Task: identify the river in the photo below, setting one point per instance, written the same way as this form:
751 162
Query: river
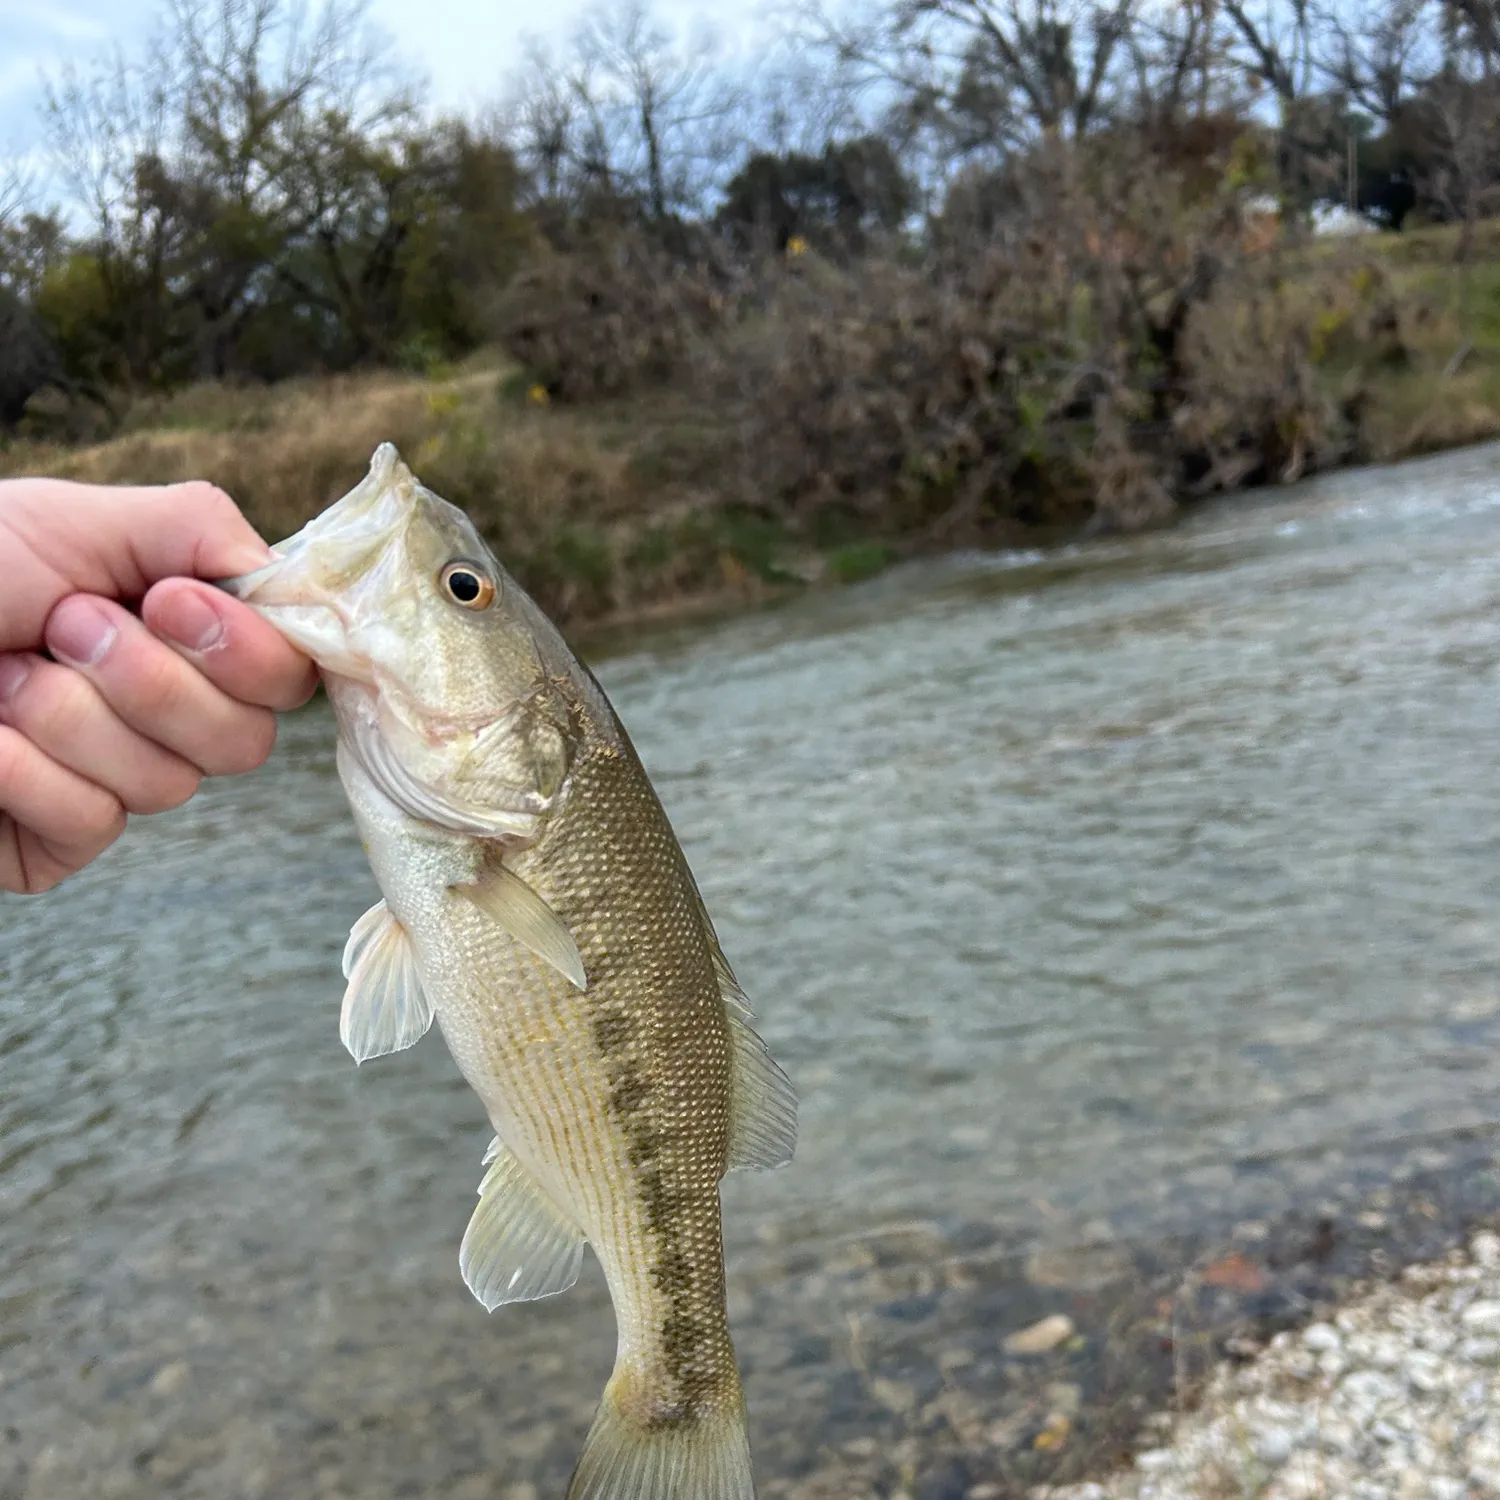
1147 888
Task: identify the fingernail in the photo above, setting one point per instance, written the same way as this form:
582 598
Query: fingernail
14 670
79 633
189 619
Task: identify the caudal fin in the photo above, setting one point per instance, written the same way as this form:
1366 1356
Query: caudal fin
706 1458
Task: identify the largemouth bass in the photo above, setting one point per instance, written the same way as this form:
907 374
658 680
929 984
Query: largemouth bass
538 905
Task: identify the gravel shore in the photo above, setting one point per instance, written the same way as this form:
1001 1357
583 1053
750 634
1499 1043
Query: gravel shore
1396 1398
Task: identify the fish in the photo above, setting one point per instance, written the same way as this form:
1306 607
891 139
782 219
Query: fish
538 906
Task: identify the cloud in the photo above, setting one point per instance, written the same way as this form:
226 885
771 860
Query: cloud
41 40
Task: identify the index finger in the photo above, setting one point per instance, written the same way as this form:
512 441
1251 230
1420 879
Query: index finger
117 541
240 653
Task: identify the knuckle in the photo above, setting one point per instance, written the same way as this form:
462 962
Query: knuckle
159 689
209 498
97 817
14 755
250 744
59 705
109 823
170 789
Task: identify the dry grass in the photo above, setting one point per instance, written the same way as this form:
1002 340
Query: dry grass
1448 392
596 512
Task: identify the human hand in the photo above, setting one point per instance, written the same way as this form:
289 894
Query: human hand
131 713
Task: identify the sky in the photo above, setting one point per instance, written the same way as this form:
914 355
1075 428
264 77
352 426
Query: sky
465 47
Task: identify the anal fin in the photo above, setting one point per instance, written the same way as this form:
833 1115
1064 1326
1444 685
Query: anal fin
384 1008
519 1245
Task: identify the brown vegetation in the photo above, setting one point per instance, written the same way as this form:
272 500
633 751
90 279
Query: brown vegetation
849 415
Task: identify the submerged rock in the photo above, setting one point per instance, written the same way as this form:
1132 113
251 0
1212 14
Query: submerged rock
1042 1336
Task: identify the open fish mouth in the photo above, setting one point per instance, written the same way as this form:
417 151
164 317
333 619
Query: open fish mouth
319 629
308 588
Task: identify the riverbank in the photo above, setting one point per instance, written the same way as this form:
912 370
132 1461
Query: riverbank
1396 1396
1199 1368
669 501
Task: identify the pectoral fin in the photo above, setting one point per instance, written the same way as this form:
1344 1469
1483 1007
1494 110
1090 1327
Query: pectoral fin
502 895
384 1008
519 1245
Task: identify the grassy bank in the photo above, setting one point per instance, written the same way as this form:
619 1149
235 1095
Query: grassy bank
654 501
605 513
1449 392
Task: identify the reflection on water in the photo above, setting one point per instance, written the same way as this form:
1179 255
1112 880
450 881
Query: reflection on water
1088 899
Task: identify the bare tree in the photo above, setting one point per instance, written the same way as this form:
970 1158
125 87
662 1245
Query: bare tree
1378 54
961 86
1477 24
1276 44
542 119
1280 46
255 83
14 194
1046 64
630 110
1182 64
1464 120
100 123
800 98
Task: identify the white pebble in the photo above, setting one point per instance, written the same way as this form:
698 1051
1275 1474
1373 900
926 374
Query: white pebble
1303 1478
1482 1317
1155 1460
1273 1445
1321 1337
1426 1371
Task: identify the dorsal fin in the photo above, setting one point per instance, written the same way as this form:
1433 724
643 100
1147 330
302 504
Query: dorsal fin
762 1101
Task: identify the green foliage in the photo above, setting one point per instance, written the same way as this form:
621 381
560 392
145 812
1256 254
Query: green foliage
756 541
265 201
858 561
833 201
584 557
74 303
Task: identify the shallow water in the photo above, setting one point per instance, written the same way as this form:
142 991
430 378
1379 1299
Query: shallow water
1089 899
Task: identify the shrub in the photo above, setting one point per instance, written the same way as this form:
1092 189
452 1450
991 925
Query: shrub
614 315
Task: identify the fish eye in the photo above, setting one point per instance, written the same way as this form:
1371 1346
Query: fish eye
465 583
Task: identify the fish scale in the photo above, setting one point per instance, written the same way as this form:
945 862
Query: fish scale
537 904
659 1047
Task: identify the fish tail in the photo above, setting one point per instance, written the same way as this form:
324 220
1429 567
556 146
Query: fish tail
701 1456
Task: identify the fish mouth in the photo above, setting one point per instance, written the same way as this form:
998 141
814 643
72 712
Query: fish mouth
285 596
306 591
